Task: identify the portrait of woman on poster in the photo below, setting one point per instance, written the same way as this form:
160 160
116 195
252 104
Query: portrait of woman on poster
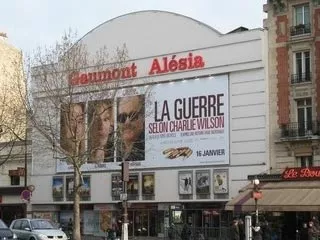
131 125
101 130
72 128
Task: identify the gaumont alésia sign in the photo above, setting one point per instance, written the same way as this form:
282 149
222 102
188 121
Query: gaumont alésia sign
182 123
158 66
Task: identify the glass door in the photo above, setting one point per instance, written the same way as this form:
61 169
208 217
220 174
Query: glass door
141 226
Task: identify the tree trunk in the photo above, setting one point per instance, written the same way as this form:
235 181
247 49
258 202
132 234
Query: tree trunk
76 205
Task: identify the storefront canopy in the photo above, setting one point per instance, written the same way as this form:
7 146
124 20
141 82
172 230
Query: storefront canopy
279 196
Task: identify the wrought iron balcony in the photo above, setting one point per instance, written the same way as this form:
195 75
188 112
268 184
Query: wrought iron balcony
303 129
300 29
301 77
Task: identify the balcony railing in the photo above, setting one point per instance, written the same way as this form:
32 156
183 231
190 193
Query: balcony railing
301 77
300 29
303 129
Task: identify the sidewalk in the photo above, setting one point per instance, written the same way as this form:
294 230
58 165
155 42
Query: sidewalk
89 237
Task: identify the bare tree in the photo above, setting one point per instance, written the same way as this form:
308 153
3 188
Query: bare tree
57 108
12 111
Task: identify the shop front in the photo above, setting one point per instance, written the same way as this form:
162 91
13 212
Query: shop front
11 205
145 219
288 200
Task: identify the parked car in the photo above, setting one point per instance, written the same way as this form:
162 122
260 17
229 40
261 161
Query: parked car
5 232
36 229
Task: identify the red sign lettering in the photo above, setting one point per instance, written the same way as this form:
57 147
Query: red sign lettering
165 65
78 78
311 173
158 66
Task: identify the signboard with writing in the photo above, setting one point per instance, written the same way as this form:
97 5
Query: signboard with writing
183 123
189 124
158 66
295 174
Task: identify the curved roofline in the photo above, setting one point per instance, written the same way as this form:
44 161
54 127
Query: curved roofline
142 11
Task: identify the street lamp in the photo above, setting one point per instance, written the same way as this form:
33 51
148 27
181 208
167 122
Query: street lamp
125 180
256 194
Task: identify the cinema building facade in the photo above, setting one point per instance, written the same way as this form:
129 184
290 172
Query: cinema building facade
205 125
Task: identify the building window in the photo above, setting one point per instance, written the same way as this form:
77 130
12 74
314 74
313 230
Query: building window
305 161
302 14
301 20
301 67
304 108
15 180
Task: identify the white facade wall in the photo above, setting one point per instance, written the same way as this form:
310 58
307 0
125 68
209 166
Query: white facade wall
153 34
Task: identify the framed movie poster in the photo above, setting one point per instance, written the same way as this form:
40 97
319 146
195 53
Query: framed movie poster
57 188
185 182
105 220
220 181
203 182
148 184
69 188
133 185
85 189
116 185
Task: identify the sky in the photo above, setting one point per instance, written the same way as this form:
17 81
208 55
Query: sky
30 24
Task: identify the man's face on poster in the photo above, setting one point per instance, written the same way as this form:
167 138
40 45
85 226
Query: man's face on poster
102 125
131 117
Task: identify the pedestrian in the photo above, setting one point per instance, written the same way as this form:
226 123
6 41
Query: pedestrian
257 232
242 233
312 232
186 232
266 230
235 235
199 235
316 225
70 227
171 232
304 232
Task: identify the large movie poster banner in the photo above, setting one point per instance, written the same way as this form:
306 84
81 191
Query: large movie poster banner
188 123
183 123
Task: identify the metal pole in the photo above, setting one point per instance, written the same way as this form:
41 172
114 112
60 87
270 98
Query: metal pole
125 179
248 228
26 167
125 213
257 211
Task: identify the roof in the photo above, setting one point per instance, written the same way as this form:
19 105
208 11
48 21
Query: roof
239 29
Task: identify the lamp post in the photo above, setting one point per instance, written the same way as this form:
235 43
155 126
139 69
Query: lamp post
125 179
256 194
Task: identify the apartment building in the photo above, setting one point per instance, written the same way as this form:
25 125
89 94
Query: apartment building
290 191
14 152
